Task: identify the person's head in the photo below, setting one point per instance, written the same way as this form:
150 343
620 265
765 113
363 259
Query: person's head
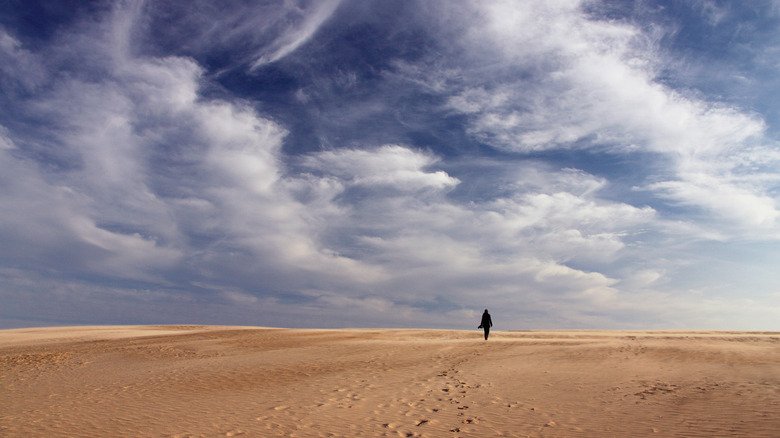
486 311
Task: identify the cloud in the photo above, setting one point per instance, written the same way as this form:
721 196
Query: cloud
13 59
293 37
43 222
463 254
250 35
371 229
390 165
141 154
569 80
600 90
524 157
748 208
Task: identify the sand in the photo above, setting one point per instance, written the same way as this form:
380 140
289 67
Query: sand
232 381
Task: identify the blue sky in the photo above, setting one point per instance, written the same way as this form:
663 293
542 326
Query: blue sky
390 164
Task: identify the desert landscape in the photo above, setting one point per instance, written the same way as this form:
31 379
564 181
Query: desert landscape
193 381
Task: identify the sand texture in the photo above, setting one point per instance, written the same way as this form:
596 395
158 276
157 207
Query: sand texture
232 381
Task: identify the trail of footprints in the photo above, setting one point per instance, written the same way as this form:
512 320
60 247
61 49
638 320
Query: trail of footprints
455 392
448 403
447 394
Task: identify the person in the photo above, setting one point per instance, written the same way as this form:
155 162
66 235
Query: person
487 322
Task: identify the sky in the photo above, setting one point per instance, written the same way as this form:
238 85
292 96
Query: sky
401 164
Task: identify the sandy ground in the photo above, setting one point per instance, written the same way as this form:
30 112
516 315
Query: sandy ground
231 381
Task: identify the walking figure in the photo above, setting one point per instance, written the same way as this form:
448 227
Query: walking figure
486 323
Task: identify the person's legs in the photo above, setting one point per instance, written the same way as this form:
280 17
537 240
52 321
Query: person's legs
487 331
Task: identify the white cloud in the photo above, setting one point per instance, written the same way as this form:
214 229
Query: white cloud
5 142
390 165
712 11
239 297
307 23
242 146
496 250
145 154
600 86
729 201
14 59
641 279
580 82
48 225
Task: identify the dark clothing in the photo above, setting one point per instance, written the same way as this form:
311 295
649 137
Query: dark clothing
487 322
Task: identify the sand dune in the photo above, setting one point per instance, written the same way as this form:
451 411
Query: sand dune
231 381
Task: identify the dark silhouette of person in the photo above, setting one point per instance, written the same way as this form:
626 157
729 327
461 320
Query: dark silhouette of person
487 322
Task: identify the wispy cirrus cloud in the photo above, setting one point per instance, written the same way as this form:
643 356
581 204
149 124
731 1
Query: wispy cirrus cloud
308 22
250 34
